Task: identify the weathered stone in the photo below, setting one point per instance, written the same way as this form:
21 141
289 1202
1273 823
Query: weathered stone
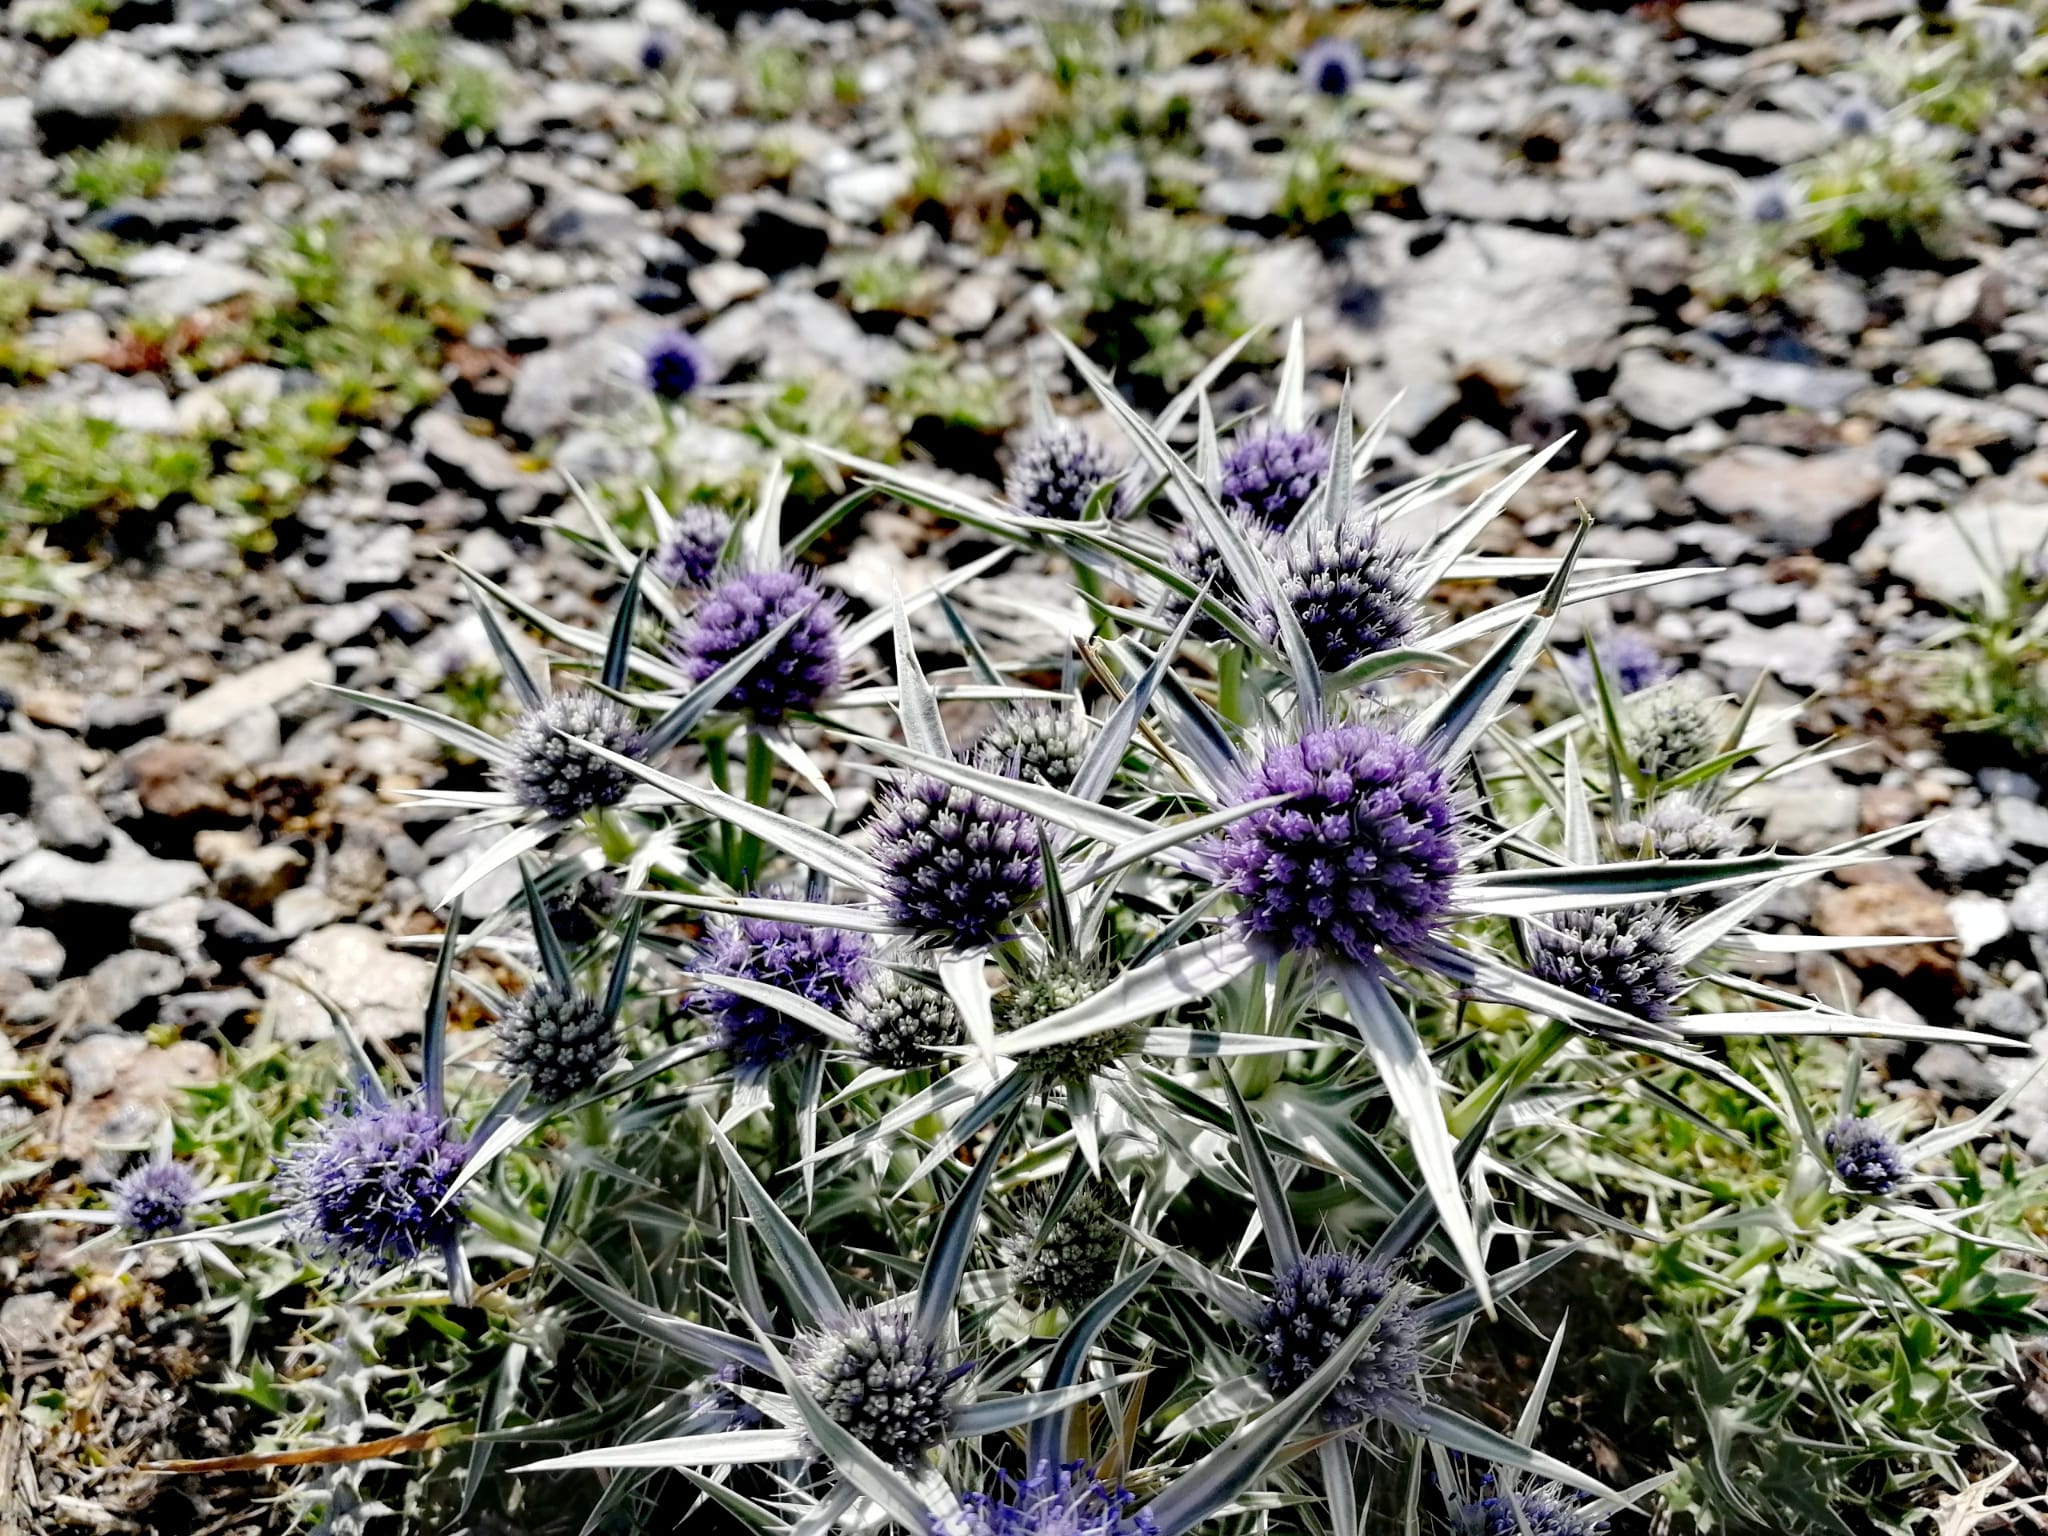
1799 502
262 686
1671 396
383 992
127 880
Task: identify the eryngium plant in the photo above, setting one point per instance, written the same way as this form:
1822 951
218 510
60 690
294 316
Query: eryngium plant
1276 939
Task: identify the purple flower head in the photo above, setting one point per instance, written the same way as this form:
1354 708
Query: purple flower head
1360 858
691 555
1055 1501
881 1379
367 1183
1271 475
676 364
546 772
1332 65
1058 471
958 866
1195 556
659 50
1045 746
1542 1510
1353 593
1767 200
1630 659
560 1041
722 1399
1866 1157
802 666
155 1199
1317 1300
1620 956
826 966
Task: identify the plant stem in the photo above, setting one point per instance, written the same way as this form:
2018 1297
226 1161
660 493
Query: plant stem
760 784
1509 1076
1230 684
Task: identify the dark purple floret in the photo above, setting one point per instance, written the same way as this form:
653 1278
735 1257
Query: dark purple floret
1620 956
826 966
1630 659
1271 476
1333 66
691 555
659 51
1866 1157
1196 557
367 1183
546 772
721 1398
802 666
1358 861
1058 471
155 1199
1353 593
1054 1501
1316 1302
958 866
676 364
1543 1509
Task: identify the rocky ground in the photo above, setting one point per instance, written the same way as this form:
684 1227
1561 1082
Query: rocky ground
1533 214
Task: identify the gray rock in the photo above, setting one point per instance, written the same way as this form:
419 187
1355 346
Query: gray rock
194 284
1809 388
2029 905
34 952
1671 396
290 54
1956 362
383 992
1979 921
795 334
263 686
465 458
122 984
585 218
862 194
1461 193
1777 137
1493 293
1965 842
1732 23
2004 1011
98 80
597 376
71 823
1940 412
1955 557
1806 814
127 880
975 114
172 929
1799 502
498 204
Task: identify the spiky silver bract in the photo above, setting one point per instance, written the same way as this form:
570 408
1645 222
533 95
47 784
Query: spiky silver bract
1315 1303
555 776
881 1380
559 1039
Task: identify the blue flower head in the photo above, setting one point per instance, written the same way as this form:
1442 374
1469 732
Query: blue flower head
1270 476
367 1184
1360 858
1316 1302
690 556
1621 956
676 364
1332 65
547 772
826 966
1630 659
1866 1157
1057 472
1055 1501
1353 592
958 866
1542 1510
659 50
155 1199
798 670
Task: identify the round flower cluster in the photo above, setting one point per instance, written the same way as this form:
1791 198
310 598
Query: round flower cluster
1333 65
1359 859
1045 745
695 544
1059 471
1316 1302
1677 827
560 1040
557 777
1074 1261
1866 1157
881 1380
1195 556
370 1184
1542 1510
1271 475
676 364
901 1023
1630 659
1045 991
826 966
1618 956
798 670
958 865
740 1414
1353 593
155 1199
1669 729
1054 1501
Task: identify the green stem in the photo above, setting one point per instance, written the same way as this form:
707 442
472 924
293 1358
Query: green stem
1773 1244
760 785
1230 684
614 838
1508 1077
715 764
